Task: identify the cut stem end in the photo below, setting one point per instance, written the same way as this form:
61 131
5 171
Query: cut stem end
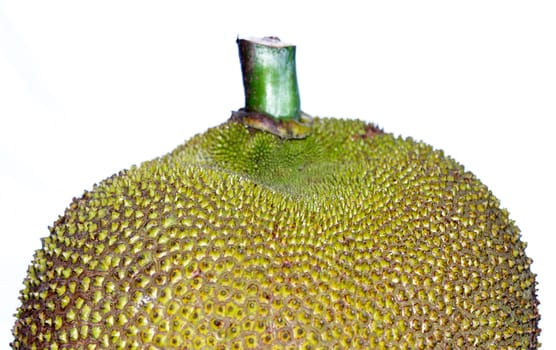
272 100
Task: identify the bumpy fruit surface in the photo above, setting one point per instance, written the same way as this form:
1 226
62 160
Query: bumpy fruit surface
348 239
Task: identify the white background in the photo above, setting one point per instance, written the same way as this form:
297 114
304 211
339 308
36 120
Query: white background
89 89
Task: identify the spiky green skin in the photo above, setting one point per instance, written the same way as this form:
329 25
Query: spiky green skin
346 239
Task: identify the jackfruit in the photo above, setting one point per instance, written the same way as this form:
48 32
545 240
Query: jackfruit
350 238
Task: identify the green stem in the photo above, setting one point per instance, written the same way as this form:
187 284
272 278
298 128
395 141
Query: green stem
269 77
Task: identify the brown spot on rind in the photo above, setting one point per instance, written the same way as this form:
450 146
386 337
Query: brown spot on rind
371 131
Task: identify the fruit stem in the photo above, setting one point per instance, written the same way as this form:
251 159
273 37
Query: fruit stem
269 77
271 92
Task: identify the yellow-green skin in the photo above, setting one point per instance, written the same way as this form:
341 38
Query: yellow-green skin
348 239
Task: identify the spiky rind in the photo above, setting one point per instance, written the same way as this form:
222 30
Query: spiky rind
238 239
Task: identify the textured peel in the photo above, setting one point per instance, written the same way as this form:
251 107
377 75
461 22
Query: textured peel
350 238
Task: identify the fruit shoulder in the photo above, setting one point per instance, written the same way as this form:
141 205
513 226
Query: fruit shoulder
350 238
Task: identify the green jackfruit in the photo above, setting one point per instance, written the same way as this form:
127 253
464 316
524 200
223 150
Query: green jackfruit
350 238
